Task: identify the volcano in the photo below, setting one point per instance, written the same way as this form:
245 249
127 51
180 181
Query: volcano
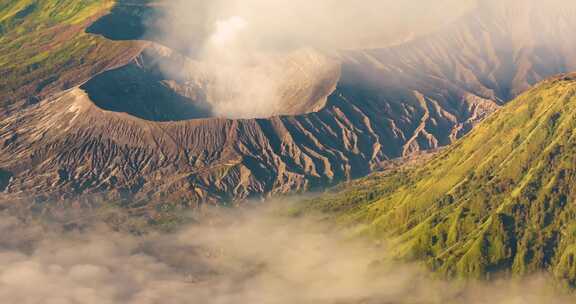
113 121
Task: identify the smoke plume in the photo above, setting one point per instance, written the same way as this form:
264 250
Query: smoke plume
259 58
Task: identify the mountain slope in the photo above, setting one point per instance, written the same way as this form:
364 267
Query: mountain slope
73 147
43 47
114 123
435 89
499 200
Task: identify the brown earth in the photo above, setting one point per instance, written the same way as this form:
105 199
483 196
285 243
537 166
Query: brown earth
131 132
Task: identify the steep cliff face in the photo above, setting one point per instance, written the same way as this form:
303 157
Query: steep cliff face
140 131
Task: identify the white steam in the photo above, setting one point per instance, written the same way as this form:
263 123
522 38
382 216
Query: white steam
244 257
227 33
259 58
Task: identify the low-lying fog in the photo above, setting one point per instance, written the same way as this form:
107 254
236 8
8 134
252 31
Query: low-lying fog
237 256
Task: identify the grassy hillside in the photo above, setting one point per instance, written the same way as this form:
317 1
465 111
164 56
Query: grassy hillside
500 201
44 47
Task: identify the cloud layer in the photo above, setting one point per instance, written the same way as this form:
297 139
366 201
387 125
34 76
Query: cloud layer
242 257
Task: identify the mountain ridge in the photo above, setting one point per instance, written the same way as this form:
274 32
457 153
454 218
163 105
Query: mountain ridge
497 202
388 103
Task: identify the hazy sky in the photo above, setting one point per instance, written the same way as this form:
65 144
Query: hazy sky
304 23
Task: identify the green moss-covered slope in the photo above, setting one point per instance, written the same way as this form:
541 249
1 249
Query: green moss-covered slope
500 201
44 46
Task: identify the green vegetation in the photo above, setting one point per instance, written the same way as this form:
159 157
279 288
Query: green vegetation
43 46
499 202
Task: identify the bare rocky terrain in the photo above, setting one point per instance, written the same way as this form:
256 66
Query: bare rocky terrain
132 131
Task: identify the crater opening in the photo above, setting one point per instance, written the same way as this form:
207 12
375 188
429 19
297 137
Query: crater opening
173 83
141 90
161 85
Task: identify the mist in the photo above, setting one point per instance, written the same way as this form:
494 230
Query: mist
232 256
249 57
282 24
